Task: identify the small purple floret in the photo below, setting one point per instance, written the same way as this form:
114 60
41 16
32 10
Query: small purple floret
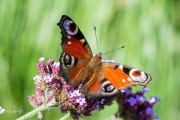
150 111
132 101
128 91
145 89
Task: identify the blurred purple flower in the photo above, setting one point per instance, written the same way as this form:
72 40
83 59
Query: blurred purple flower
81 101
139 98
150 111
145 89
41 64
55 67
41 59
102 101
135 105
128 91
48 78
157 117
50 62
153 100
37 78
132 101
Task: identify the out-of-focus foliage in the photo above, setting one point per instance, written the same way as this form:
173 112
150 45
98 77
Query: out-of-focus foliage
150 31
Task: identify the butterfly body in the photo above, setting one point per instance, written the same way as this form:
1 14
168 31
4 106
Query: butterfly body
99 79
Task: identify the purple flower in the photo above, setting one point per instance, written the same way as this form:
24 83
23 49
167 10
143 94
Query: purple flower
50 62
81 101
135 105
128 91
149 111
157 117
145 89
54 85
74 93
50 96
158 99
153 100
139 98
41 65
37 78
56 64
56 67
41 59
48 78
123 91
97 107
132 101
102 101
39 91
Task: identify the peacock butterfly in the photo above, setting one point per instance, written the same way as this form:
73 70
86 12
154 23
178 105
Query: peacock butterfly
79 66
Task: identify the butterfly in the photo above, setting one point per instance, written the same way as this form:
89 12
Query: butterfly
99 79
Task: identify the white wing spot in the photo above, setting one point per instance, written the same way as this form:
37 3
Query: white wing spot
69 42
123 80
69 37
129 79
121 67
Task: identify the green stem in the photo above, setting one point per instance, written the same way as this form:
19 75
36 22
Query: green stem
37 110
65 117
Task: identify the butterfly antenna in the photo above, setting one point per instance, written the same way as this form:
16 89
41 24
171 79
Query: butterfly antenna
96 38
113 50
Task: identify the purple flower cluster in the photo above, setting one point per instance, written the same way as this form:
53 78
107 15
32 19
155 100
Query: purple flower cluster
135 106
52 87
47 80
49 83
75 102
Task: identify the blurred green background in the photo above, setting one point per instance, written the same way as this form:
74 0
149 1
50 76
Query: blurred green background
149 30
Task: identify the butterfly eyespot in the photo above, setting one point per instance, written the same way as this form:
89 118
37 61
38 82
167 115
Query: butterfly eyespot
137 75
108 88
67 60
70 27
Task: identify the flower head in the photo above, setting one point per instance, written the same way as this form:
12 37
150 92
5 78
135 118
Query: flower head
136 106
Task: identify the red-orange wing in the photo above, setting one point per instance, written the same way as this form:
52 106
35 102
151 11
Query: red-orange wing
76 51
122 76
73 41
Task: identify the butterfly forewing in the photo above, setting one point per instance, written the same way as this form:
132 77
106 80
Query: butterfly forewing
73 41
76 51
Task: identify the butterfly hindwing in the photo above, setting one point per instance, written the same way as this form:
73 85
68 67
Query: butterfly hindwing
112 77
122 76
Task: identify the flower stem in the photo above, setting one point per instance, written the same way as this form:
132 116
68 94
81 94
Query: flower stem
37 110
65 117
